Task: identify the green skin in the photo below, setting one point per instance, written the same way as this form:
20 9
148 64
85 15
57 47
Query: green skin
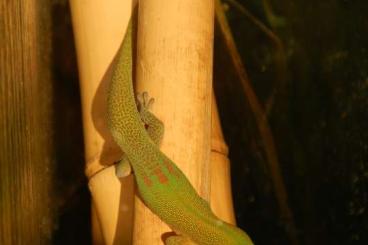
161 184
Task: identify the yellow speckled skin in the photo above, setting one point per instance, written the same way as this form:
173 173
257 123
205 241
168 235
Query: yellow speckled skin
162 186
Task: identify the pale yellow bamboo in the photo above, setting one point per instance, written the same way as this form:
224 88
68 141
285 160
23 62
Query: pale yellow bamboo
113 200
174 65
97 237
221 197
99 27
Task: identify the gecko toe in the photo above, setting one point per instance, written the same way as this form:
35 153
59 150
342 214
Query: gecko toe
144 101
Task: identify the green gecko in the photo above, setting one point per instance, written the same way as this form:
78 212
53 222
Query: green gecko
162 186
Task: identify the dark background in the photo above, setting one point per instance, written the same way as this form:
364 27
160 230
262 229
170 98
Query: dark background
318 100
315 90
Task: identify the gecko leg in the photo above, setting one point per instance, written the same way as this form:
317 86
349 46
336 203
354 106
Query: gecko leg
154 128
123 167
153 125
178 240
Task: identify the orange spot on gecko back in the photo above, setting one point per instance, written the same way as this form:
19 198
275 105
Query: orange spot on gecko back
170 168
147 181
160 175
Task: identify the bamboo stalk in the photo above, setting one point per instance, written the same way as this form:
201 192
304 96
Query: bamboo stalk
99 27
27 200
174 64
97 237
221 197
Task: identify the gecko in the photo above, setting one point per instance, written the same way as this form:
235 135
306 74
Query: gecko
162 186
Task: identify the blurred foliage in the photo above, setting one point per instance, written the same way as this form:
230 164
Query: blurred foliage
318 114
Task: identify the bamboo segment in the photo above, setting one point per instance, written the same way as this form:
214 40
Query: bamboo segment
97 237
221 197
174 64
114 205
99 27
27 199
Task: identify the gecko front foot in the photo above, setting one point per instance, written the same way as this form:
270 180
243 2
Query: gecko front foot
144 102
152 124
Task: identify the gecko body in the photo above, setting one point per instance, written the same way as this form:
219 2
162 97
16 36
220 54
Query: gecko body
161 184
